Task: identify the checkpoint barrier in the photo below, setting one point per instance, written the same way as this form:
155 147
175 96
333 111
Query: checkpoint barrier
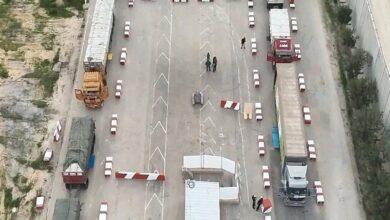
306 115
230 105
319 193
57 131
266 177
256 78
253 46
139 176
258 111
312 150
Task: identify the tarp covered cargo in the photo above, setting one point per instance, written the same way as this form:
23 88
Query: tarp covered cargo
99 36
279 24
81 139
289 110
67 209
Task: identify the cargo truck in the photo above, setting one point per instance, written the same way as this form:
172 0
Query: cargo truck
94 89
282 50
67 209
80 149
275 4
293 151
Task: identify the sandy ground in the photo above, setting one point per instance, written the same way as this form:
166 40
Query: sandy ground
26 129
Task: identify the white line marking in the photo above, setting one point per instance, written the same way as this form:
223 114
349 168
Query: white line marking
159 98
206 29
202 61
207 103
158 123
211 150
158 200
204 71
163 37
213 140
210 120
161 75
207 86
166 19
157 149
239 122
204 44
162 54
247 79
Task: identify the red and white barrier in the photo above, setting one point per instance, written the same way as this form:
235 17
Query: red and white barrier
312 150
319 193
230 105
140 176
266 207
57 131
266 177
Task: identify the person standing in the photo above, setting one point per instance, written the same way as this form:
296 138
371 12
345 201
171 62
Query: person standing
208 64
214 64
243 40
253 201
259 203
208 56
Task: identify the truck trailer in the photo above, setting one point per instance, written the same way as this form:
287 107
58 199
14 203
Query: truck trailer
94 90
282 50
80 149
275 4
67 209
293 151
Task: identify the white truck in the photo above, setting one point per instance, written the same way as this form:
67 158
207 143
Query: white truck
293 151
282 50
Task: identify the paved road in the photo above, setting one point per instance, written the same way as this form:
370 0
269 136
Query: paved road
158 125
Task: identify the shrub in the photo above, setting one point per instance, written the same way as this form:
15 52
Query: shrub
344 14
3 72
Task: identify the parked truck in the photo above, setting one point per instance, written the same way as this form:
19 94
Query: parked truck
67 209
293 151
80 149
282 50
94 89
275 4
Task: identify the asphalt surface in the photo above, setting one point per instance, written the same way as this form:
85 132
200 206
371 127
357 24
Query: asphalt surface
158 125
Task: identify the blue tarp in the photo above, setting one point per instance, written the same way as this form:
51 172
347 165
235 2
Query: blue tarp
275 137
91 161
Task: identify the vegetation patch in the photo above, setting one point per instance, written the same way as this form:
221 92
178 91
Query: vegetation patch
9 201
48 41
370 137
56 10
43 70
39 164
3 72
40 103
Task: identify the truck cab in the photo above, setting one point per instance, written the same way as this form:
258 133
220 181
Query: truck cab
275 4
282 51
295 184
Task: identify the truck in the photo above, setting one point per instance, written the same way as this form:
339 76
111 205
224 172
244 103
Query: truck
275 4
67 209
282 50
293 150
80 150
94 89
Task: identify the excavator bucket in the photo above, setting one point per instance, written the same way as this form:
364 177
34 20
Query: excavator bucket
79 94
104 94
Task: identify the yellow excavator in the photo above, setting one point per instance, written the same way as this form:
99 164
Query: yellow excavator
94 90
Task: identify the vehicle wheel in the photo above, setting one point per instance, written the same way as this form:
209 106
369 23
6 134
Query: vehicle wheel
67 186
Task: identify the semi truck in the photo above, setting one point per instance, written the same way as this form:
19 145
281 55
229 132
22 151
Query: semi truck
293 151
275 4
67 209
282 50
94 89
80 149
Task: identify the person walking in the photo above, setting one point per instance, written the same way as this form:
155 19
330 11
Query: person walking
214 64
243 40
259 203
208 64
253 201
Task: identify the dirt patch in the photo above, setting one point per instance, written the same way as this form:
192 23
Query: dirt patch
27 115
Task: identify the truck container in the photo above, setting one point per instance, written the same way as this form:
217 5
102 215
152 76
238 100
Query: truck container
293 151
282 50
94 90
80 149
67 209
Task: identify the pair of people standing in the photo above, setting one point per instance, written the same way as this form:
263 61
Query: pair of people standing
208 63
259 202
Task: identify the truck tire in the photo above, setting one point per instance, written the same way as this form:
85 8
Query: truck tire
67 186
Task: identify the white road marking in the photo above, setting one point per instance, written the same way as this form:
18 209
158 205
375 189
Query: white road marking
211 150
210 120
202 46
161 76
158 123
162 54
207 103
207 86
159 151
247 79
159 98
153 197
239 121
206 29
166 19
163 37
204 71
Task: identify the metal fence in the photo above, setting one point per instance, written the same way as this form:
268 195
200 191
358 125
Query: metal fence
364 26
